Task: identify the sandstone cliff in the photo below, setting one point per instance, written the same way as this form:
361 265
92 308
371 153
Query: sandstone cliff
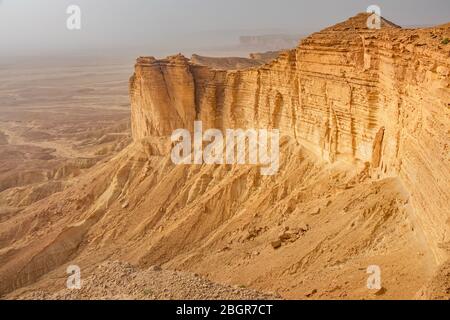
347 93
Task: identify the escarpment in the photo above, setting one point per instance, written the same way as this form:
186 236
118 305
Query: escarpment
347 93
363 177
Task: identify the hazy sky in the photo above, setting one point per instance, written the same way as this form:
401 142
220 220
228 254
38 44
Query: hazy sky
160 26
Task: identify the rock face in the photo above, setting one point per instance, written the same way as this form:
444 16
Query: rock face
347 93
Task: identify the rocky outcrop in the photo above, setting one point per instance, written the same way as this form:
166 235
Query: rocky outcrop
347 93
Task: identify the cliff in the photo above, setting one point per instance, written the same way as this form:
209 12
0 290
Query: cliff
347 93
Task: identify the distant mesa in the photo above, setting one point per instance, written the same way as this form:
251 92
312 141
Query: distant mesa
271 42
